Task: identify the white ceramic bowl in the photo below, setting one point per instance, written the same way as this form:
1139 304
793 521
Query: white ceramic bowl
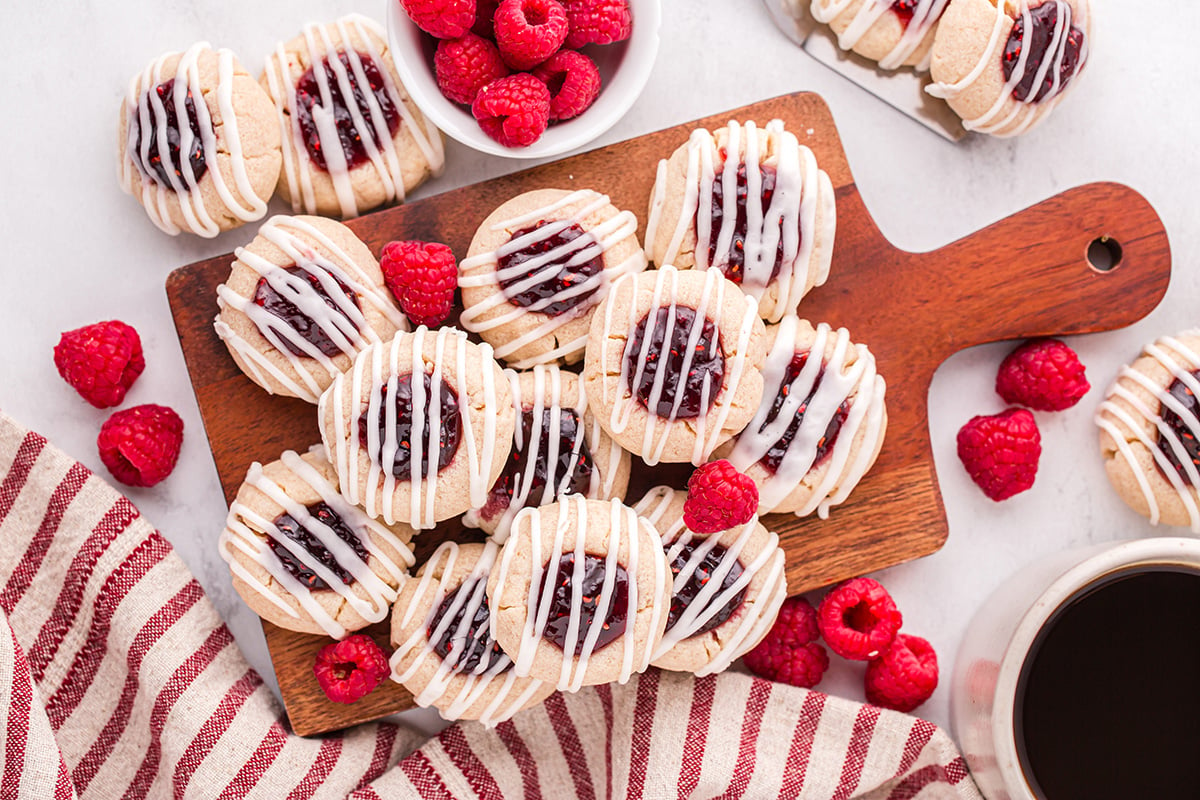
624 69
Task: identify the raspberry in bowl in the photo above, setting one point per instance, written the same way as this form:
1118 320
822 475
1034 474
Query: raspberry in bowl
623 66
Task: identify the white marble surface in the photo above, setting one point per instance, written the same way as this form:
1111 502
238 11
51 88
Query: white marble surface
81 251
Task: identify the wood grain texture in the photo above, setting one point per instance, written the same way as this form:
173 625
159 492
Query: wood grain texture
1026 275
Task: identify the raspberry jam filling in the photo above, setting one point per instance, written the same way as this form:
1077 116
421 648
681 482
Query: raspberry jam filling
155 162
695 388
1187 436
566 480
1065 57
305 326
775 454
904 9
699 579
449 426
293 530
734 267
554 291
308 94
611 618
478 645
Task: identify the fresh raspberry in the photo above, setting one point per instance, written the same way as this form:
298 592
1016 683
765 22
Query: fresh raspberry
529 31
422 277
1043 374
573 81
100 361
485 13
350 670
904 676
1000 452
140 445
789 652
858 619
513 110
597 22
445 19
719 498
464 66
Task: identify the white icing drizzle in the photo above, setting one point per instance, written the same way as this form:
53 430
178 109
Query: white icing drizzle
1024 114
623 521
549 394
746 629
801 190
484 270
346 326
512 693
377 139
709 425
360 388
839 380
1127 428
925 16
245 529
143 108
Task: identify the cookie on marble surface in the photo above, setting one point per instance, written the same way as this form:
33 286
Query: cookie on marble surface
444 652
306 559
301 301
419 450
672 363
778 245
821 423
894 34
558 448
344 158
727 587
581 593
983 70
537 268
197 142
1149 428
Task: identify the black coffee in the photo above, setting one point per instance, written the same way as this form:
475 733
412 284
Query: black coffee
1108 700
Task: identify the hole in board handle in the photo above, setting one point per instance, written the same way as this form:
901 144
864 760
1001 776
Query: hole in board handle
1104 254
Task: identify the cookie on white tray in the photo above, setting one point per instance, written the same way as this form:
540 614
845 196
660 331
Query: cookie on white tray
893 33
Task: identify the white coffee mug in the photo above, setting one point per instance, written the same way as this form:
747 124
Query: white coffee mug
1001 635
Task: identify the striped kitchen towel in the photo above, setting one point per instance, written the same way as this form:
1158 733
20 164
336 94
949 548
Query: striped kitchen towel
119 680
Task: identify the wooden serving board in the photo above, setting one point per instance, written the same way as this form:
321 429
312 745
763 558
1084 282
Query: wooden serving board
1027 275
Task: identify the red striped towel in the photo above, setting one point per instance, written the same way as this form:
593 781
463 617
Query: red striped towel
120 680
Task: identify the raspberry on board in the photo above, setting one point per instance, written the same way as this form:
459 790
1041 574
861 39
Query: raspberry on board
719 498
597 22
858 619
513 110
140 445
529 31
445 19
1000 452
904 676
422 276
100 361
1043 374
573 81
349 670
465 65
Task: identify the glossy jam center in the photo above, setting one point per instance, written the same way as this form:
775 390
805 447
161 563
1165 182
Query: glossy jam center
308 329
155 162
776 452
734 265
611 618
535 456
699 579
449 426
545 275
1065 56
905 9
669 351
309 94
293 530
1180 391
477 643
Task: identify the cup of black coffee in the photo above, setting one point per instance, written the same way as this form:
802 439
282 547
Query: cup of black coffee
1080 677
